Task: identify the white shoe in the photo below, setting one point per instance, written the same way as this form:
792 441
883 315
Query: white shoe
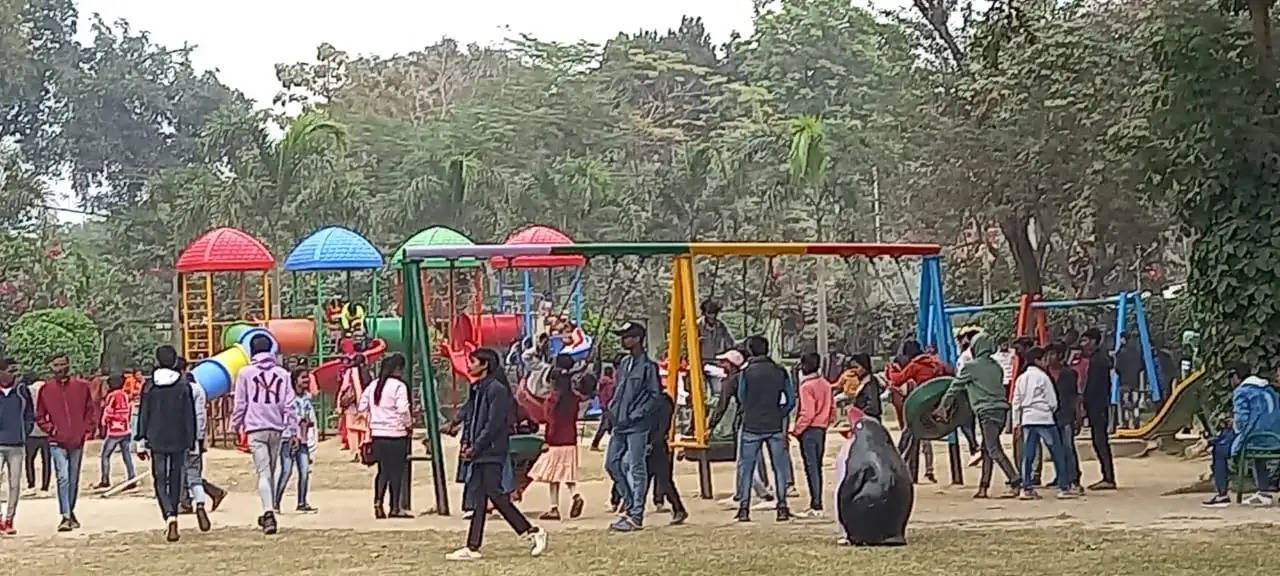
1259 500
728 503
843 541
764 505
538 541
812 514
468 514
463 554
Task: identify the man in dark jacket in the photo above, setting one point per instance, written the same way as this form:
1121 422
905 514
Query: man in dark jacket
1064 381
631 413
767 396
17 418
1097 405
660 461
1129 366
167 431
65 411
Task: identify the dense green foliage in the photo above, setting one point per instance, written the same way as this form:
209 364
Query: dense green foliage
1076 148
40 335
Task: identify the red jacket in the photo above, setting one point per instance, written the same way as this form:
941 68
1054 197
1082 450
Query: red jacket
116 413
919 370
65 411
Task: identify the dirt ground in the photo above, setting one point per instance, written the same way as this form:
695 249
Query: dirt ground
1120 529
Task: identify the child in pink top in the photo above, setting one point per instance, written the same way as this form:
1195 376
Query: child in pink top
817 411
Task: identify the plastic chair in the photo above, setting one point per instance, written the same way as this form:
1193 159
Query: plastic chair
1247 456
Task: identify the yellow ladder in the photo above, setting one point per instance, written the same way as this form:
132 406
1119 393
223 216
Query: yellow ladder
197 317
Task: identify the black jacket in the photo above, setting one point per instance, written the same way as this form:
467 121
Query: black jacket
1097 384
488 427
761 395
167 414
1068 395
868 399
663 410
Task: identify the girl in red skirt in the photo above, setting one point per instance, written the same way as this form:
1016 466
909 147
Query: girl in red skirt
559 464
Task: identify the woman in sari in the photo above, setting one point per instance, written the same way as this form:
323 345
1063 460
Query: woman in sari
355 424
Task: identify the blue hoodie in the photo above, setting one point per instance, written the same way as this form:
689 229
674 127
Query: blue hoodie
1256 407
17 416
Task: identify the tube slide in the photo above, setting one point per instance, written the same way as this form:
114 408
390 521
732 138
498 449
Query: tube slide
215 374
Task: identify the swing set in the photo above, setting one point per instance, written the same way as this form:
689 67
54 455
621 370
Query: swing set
682 332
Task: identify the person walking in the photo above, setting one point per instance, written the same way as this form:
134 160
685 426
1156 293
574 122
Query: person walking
66 413
558 464
631 413
300 457
488 443
761 386
817 412
390 422
1097 405
982 381
37 445
17 419
197 489
661 461
167 433
117 414
264 412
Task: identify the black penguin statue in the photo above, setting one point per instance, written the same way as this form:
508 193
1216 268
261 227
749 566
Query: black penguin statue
874 493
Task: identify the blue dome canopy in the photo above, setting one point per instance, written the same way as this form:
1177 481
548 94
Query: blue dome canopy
333 248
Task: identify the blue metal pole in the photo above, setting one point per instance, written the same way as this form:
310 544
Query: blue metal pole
576 297
502 287
923 317
1148 356
528 305
1038 305
1122 301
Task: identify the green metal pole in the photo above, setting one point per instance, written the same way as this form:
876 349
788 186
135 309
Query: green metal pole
318 314
420 346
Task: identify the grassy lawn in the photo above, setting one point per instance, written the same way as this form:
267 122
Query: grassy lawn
762 548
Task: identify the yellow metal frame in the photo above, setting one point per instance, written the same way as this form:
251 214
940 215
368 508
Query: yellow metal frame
684 318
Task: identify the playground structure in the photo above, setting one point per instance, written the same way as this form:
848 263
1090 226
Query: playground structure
550 263
933 327
334 249
1031 310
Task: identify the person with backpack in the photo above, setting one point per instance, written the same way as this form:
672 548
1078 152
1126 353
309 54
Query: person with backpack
17 419
167 433
264 412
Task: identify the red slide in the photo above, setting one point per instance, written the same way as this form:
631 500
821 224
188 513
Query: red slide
327 377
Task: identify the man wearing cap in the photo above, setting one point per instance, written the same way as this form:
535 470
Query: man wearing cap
630 412
713 335
1097 404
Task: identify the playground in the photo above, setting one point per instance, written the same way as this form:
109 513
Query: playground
1135 530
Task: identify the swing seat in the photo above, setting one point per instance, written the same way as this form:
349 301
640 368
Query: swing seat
716 451
919 406
579 352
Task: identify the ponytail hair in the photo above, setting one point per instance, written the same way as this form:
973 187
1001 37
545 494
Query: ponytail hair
392 367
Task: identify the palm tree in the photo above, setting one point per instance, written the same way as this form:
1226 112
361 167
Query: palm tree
807 167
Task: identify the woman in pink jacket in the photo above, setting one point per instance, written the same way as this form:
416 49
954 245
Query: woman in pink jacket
390 422
817 411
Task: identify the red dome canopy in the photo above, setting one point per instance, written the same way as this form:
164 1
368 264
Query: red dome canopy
540 235
225 250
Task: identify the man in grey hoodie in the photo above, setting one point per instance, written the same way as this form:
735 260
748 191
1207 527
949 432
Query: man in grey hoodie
264 411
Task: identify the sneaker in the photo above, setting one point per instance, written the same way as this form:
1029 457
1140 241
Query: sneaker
792 492
549 515
65 525
1259 500
537 538
678 517
1217 501
468 514
1067 494
75 522
307 509
784 515
975 460
463 554
812 514
1102 485
171 533
1078 489
765 505
378 512
1010 492
400 515
842 541
575 509
729 503
29 493
623 524
1028 494
202 518
269 526
744 515
930 477
5 527
104 485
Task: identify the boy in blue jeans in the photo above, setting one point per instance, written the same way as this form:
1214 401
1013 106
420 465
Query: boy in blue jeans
299 456
1255 407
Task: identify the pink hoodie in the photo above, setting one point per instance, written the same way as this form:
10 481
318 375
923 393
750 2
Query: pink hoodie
264 398
817 408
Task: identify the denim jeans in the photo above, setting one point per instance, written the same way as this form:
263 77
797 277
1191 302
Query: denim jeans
750 445
300 460
125 445
1032 436
1220 465
66 466
627 466
1070 460
813 441
194 473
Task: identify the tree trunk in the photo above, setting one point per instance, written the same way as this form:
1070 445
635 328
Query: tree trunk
1260 16
1014 229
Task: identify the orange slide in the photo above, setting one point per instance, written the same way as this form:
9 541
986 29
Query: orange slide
327 377
471 332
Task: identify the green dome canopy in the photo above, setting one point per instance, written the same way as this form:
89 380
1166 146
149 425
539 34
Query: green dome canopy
438 236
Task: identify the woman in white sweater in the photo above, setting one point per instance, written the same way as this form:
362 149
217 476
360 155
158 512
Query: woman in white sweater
390 423
1034 401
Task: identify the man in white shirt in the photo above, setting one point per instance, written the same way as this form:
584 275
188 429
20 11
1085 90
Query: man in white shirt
1035 398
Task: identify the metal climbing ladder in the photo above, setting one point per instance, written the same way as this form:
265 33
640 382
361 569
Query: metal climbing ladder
197 316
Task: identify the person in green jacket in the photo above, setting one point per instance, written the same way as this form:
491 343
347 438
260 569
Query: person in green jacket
982 381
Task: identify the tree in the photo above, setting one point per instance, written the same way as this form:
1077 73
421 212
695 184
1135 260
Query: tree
40 335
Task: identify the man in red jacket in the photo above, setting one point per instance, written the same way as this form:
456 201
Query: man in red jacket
912 368
65 411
